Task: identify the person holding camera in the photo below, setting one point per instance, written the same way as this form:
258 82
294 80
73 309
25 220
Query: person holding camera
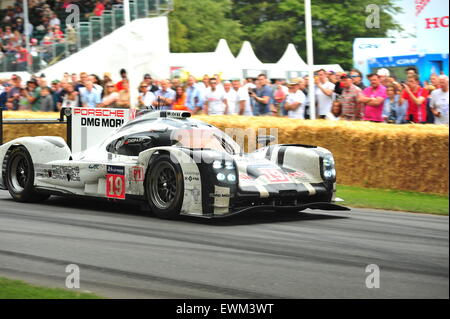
416 97
261 96
393 111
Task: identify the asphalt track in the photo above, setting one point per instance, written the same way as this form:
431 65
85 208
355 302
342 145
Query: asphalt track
125 253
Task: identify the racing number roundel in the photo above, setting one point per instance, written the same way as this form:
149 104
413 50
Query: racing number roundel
115 182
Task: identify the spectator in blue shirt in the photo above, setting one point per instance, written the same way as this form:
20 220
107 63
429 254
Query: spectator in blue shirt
393 111
194 100
261 96
164 96
90 96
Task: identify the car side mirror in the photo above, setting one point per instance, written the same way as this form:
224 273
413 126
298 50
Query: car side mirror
265 139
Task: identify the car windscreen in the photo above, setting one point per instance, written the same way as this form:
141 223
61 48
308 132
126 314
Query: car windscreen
209 138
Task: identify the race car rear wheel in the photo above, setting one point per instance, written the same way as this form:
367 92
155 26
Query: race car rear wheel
164 187
20 176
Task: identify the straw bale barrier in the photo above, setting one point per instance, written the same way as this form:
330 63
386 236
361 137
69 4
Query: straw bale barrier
405 157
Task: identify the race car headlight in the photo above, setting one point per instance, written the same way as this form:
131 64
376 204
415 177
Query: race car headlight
217 164
229 165
328 161
225 171
328 167
231 177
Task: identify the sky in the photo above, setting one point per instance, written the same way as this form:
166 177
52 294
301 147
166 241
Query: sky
405 19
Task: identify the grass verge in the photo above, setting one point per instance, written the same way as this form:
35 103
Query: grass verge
15 289
393 200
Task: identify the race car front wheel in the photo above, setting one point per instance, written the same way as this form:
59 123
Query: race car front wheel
164 187
20 176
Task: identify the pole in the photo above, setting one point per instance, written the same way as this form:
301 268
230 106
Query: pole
310 57
130 69
26 22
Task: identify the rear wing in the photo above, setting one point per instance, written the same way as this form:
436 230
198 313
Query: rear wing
85 126
91 125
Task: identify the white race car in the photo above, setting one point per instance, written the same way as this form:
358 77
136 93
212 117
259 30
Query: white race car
176 165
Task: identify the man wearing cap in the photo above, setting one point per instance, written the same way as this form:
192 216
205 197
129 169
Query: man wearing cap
351 108
295 101
373 98
151 87
383 75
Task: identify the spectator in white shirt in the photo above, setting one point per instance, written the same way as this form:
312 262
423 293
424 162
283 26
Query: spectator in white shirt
295 102
146 97
245 105
111 96
232 98
440 102
215 100
324 93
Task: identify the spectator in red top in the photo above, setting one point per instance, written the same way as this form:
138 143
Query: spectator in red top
22 58
123 75
99 8
417 100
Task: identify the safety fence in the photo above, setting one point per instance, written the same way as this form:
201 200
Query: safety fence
89 30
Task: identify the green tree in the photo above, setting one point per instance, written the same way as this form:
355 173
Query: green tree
197 26
271 25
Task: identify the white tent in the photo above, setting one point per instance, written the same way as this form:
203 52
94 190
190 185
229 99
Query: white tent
289 65
291 60
221 61
248 61
148 52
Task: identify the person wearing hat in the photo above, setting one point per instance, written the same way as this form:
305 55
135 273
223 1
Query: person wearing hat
351 107
295 101
149 80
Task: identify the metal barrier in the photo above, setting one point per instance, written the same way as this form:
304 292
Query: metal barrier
65 118
88 32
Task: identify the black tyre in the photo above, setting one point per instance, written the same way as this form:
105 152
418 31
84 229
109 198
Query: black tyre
164 187
20 177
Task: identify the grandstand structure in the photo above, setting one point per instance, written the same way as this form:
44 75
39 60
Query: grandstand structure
89 30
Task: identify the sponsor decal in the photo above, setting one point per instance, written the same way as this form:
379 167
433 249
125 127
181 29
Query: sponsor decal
137 173
274 175
65 173
220 195
115 182
196 194
99 112
117 170
94 167
296 174
245 177
192 176
101 122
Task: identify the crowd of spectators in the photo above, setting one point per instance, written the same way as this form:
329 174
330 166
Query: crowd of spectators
46 27
339 96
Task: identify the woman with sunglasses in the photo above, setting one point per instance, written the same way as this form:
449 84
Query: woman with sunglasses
146 97
111 96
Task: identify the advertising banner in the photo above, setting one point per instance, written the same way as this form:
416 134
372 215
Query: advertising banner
92 125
